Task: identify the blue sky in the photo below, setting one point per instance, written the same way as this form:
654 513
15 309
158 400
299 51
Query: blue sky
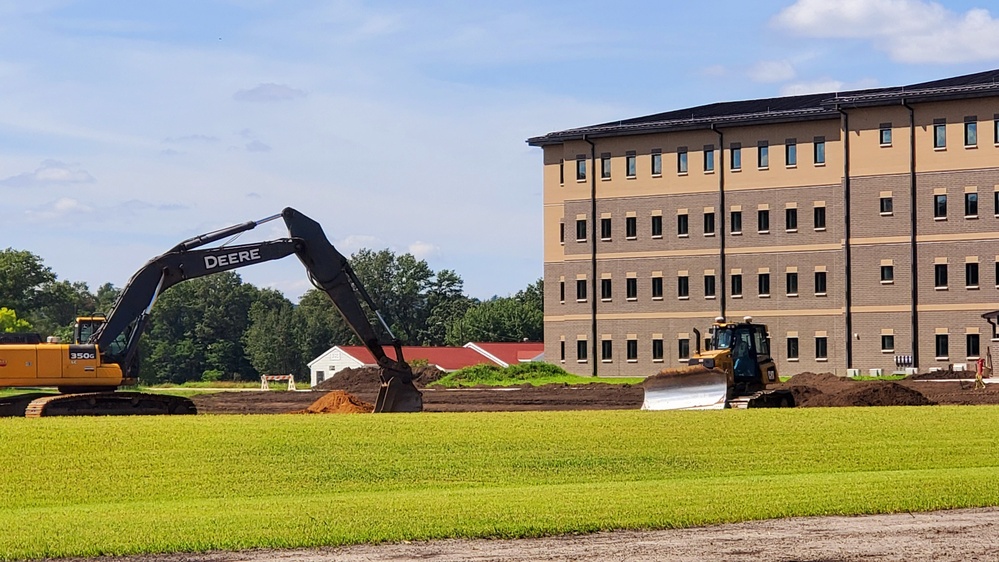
126 127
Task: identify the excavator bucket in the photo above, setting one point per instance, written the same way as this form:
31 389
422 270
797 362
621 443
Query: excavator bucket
398 395
690 388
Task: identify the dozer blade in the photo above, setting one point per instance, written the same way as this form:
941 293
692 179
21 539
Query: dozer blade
690 388
398 396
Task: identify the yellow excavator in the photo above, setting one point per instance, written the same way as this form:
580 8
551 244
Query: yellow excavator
103 355
736 371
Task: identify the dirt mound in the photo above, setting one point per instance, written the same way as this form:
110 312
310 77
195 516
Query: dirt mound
944 375
667 375
338 402
876 393
366 380
818 380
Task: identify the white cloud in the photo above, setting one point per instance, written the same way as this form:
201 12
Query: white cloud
59 209
50 172
269 93
257 146
715 70
912 31
423 250
772 71
355 242
825 85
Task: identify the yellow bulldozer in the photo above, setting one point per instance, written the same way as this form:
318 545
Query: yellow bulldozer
735 371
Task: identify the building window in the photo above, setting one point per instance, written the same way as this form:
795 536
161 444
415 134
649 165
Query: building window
709 224
820 150
820 283
657 163
995 130
709 286
605 166
791 219
561 233
657 287
709 158
657 350
631 347
581 351
791 280
821 348
561 292
682 225
971 275
561 351
631 227
887 274
995 203
792 348
657 226
763 284
939 206
683 348
887 208
763 155
791 152
763 221
971 205
736 154
581 230
971 131
939 135
630 165
580 290
631 288
606 290
682 287
885 134
606 350
737 284
972 346
940 275
887 343
942 346
819 218
736 222
580 169
681 161
605 229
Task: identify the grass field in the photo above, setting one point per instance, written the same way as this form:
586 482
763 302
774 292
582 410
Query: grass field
90 486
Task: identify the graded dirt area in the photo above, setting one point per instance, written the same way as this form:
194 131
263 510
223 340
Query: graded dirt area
809 389
965 534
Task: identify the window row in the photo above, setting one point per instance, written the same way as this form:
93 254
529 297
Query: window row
707 160
656 350
708 224
819 287
970 205
970 130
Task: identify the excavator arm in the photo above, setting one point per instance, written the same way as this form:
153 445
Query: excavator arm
328 269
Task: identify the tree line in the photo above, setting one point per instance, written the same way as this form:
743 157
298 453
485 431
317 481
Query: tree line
221 328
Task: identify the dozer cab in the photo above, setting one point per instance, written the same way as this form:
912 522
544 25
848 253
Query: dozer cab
734 371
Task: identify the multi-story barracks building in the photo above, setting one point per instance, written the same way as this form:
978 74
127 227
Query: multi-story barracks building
858 226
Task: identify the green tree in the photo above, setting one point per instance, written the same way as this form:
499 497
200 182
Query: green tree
22 275
270 340
500 319
9 322
58 303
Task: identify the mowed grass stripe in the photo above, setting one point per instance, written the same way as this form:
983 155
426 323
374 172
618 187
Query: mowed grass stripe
140 485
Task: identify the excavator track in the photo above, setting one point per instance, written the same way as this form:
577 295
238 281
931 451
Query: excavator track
109 404
763 399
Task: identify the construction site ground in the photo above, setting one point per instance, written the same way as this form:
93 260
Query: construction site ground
944 535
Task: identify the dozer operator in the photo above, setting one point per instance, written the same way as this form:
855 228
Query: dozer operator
103 355
735 371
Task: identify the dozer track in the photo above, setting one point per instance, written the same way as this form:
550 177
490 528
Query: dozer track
109 404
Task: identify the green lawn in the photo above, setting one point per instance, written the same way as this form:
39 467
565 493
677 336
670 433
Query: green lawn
89 486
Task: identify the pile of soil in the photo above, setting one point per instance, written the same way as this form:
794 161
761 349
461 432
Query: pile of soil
338 402
366 380
944 375
827 389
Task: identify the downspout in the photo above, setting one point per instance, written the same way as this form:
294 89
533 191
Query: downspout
722 280
848 294
593 252
913 247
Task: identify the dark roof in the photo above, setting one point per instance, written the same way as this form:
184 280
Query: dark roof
782 109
